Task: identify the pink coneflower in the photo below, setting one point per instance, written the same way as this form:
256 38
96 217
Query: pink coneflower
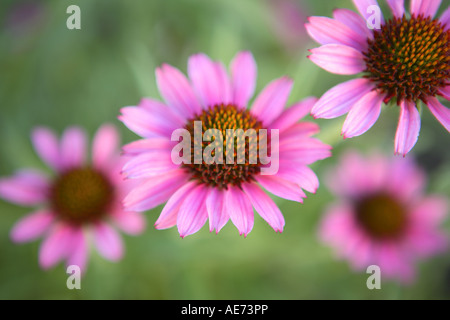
406 60
196 192
383 217
81 199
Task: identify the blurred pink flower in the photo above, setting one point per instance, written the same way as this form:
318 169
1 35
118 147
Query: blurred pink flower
218 192
383 217
406 59
81 199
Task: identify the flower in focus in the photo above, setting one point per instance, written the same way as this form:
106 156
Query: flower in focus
196 191
407 60
79 200
383 217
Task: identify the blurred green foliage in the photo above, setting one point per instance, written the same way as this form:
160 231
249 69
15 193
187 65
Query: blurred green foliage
57 77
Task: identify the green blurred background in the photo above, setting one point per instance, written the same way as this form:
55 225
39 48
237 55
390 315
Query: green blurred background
57 77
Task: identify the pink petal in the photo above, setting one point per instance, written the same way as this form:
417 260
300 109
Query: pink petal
293 114
441 112
73 147
305 151
79 250
177 91
26 187
271 101
339 99
243 78
338 59
394 263
108 242
408 128
56 246
299 131
162 114
148 145
239 208
281 188
445 19
192 214
426 242
215 206
362 115
445 91
397 7
428 8
329 31
430 211
301 175
265 206
129 222
354 21
47 146
209 80
363 6
168 216
32 226
154 191
105 145
148 165
404 179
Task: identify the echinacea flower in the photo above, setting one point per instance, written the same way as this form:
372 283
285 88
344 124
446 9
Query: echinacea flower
79 201
383 217
196 191
406 60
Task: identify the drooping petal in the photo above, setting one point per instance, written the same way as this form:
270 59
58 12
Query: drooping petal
354 21
155 191
362 115
209 80
56 246
193 214
26 187
339 99
239 208
299 174
148 165
281 188
46 145
427 8
108 242
397 7
441 112
73 147
177 91
129 222
243 78
271 101
158 144
32 226
215 206
305 151
299 131
338 59
408 128
79 250
265 206
329 31
430 211
105 145
445 91
293 114
364 8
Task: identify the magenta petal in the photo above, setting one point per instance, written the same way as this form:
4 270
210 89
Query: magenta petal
293 114
79 250
271 101
265 206
281 188
108 242
148 165
26 187
329 31
441 112
105 145
338 59
339 99
158 144
239 208
129 222
56 246
305 151
243 78
427 8
46 145
299 131
363 6
408 128
192 214
209 80
154 191
163 116
445 19
301 175
354 21
177 91
32 226
168 216
397 7
430 211
362 115
215 206
445 91
73 147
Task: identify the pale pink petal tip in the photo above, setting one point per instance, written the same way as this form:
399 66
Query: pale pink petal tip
108 242
32 226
